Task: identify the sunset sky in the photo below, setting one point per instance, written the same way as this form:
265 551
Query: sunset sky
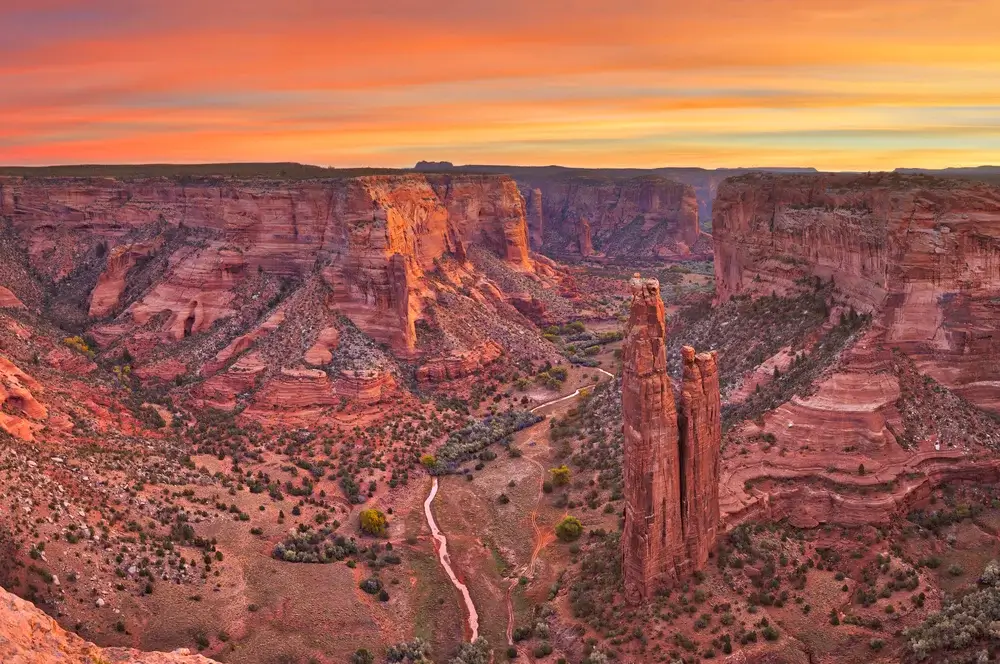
836 84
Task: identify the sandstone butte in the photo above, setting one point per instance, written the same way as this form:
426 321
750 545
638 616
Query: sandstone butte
922 255
671 458
645 218
28 636
372 238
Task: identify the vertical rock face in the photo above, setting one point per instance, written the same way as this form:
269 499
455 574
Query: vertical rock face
111 284
671 460
700 442
373 238
646 217
922 254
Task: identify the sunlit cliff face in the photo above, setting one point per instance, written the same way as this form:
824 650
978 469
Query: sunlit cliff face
838 84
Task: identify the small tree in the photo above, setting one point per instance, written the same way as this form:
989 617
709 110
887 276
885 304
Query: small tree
560 475
569 529
362 656
373 522
429 461
861 469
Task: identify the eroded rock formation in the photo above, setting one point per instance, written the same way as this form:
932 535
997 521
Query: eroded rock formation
111 284
460 364
646 217
922 253
671 459
584 240
700 422
8 300
20 410
374 238
28 636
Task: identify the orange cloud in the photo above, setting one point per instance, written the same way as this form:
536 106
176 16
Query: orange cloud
835 84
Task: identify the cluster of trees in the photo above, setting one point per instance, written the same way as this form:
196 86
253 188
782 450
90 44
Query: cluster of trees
964 630
476 437
418 651
306 545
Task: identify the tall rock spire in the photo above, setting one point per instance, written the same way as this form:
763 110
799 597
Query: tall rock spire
700 424
671 464
652 536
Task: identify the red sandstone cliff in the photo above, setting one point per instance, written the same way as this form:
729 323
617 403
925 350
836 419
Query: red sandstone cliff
373 237
671 459
645 217
922 253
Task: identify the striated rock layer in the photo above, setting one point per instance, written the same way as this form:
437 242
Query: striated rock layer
373 239
8 300
922 253
28 636
647 217
671 459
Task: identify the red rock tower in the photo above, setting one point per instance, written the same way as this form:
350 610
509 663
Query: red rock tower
700 423
671 460
586 245
652 538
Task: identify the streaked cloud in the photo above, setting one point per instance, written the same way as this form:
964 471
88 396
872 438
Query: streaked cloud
852 84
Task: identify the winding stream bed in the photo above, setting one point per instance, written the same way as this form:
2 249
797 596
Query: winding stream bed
441 542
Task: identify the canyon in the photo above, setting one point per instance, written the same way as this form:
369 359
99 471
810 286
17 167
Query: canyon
206 378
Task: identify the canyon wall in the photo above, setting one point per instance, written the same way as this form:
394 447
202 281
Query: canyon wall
373 238
921 253
646 218
671 458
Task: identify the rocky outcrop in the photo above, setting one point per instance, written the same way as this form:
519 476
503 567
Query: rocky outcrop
297 390
28 636
111 284
321 352
460 364
20 410
922 253
8 300
671 459
374 239
647 218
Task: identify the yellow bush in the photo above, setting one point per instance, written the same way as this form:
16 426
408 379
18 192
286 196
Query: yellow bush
373 522
77 343
560 475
